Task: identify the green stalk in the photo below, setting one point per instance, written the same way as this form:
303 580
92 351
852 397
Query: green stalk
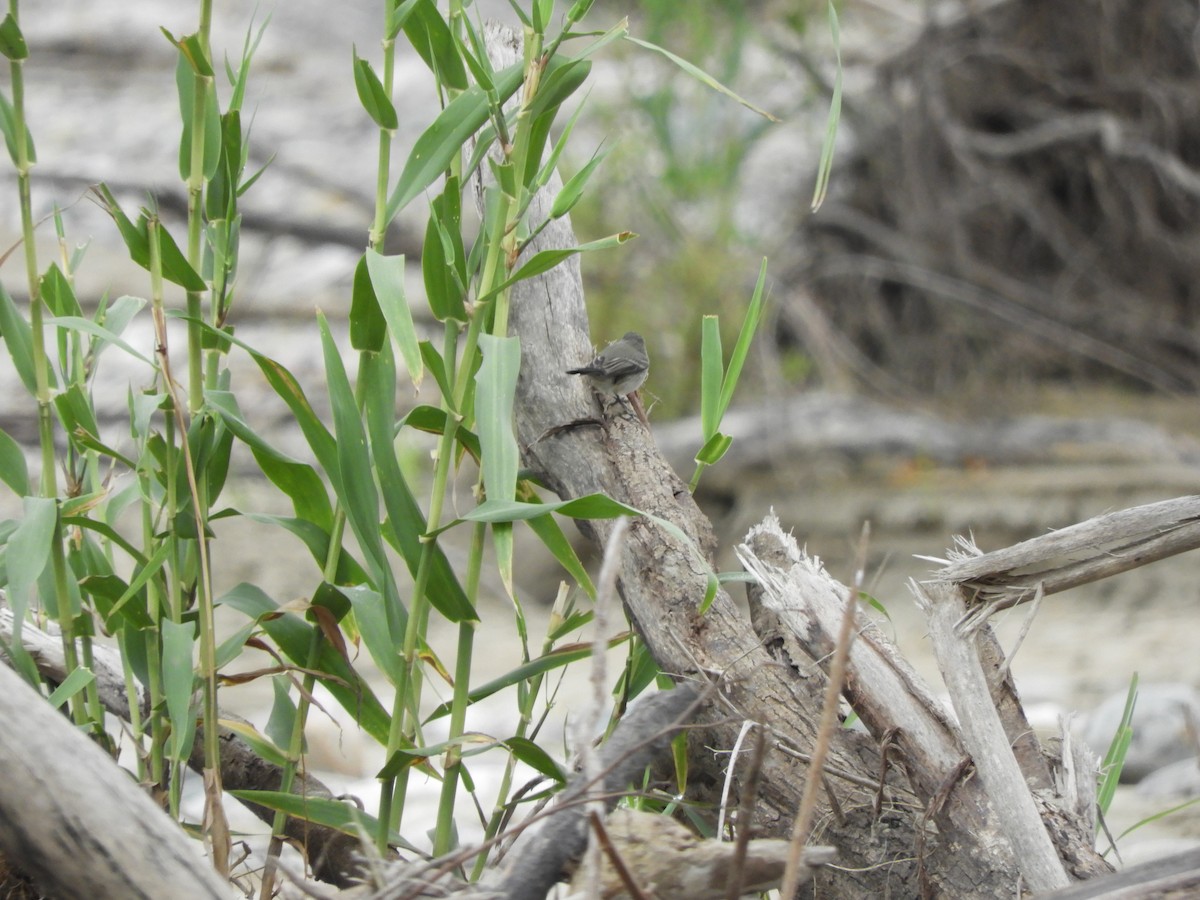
136 725
444 830
208 647
169 779
525 712
378 233
294 752
48 481
84 461
405 704
201 84
154 608
195 214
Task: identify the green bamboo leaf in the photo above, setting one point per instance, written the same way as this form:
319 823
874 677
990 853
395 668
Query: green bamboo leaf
249 49
136 587
741 350
220 199
495 394
73 407
115 318
579 9
412 756
430 36
535 759
282 721
562 78
218 449
382 643
356 488
316 539
432 420
551 161
371 93
483 143
442 141
590 506
262 746
405 520
178 680
387 277
542 11
368 328
572 191
443 259
700 75
825 166
12 42
714 448
435 365
288 389
28 550
1118 749
399 16
192 65
87 326
234 644
299 481
555 659
1154 817
191 51
478 65
58 293
18 337
546 528
294 636
712 366
108 533
13 470
711 586
548 259
339 815
8 124
79 679
175 267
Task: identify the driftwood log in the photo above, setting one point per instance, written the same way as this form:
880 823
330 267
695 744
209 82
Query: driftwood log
76 822
332 854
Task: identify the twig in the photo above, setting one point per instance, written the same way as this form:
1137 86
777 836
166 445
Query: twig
618 864
1006 667
746 802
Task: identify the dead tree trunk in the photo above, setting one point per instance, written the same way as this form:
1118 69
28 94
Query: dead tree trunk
899 803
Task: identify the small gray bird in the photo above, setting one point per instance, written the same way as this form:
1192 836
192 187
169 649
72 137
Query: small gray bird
620 368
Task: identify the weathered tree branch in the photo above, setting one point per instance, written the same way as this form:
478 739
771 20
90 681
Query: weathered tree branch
332 854
1078 554
77 822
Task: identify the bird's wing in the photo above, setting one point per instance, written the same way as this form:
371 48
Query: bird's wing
619 366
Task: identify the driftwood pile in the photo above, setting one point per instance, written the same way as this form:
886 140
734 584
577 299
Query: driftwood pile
1022 202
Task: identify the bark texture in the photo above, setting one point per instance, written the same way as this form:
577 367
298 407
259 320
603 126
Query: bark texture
77 823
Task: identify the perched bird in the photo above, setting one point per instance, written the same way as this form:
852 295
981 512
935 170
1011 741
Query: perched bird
620 368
